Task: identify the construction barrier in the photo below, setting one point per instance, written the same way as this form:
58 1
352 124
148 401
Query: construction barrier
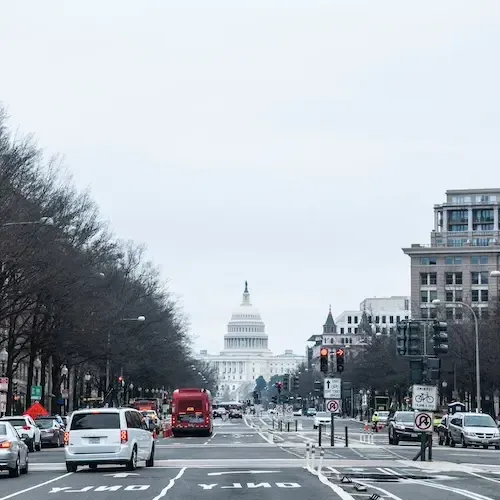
167 429
366 437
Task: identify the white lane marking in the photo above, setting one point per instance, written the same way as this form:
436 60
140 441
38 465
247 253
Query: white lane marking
210 438
337 489
39 485
483 477
171 483
386 493
242 472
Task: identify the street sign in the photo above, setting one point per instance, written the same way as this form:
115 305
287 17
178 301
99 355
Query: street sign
333 406
423 421
36 392
424 397
332 388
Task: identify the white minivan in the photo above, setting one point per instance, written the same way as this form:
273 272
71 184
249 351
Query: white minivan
107 436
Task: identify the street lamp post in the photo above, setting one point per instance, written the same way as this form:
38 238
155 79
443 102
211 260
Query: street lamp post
87 378
37 364
478 366
4 357
64 374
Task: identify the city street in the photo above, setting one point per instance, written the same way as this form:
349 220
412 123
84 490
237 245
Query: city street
240 456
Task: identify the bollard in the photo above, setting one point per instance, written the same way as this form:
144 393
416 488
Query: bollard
346 436
273 423
319 434
295 425
321 456
313 452
288 426
308 454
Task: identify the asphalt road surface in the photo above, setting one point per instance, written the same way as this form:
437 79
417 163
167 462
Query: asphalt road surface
245 459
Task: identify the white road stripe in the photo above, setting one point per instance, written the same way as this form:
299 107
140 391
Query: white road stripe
170 485
20 492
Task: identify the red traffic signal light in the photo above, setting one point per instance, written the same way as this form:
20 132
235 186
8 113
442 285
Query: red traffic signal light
120 379
340 352
323 352
323 359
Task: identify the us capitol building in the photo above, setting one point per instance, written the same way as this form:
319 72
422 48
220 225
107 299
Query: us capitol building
246 354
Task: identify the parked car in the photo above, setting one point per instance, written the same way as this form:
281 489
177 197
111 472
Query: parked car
476 429
24 424
108 436
322 418
13 450
297 413
52 432
311 412
401 427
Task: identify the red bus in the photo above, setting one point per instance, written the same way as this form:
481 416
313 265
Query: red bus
192 412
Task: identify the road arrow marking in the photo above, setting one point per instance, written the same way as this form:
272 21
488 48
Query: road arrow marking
122 474
242 472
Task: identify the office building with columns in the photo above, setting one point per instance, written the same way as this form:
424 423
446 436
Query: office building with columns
464 249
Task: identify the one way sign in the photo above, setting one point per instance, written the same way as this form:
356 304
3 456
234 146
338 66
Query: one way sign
332 388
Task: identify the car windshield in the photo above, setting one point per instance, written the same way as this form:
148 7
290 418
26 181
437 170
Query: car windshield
406 417
383 414
16 422
45 423
479 421
322 414
88 421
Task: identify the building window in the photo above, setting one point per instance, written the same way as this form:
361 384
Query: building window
481 242
453 260
456 242
479 259
384 319
449 313
342 330
349 319
349 330
355 330
479 278
475 295
453 278
377 319
398 319
428 278
391 319
355 319
428 261
424 313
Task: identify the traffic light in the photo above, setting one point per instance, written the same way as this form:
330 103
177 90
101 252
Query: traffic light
433 369
323 359
402 339
339 355
440 337
296 383
286 382
414 339
279 386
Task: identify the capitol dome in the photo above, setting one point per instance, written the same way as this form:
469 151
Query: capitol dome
246 330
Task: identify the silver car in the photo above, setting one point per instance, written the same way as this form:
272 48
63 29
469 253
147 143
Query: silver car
13 451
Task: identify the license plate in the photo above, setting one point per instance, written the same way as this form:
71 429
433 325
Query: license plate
94 440
414 435
485 441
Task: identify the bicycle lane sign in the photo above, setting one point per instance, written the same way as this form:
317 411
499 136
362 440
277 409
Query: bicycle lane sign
424 397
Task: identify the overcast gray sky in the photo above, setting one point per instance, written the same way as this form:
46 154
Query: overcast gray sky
294 144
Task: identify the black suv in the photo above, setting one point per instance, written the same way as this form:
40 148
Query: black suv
400 427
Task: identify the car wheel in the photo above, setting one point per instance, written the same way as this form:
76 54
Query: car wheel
464 444
24 470
31 446
16 470
93 466
71 467
132 463
150 462
395 439
38 446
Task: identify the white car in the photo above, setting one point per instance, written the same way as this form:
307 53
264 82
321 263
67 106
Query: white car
297 413
323 418
108 436
24 424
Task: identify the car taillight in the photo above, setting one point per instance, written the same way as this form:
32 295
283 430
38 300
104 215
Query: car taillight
66 438
5 444
124 436
26 427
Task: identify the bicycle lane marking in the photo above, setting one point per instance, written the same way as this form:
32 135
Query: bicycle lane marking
35 486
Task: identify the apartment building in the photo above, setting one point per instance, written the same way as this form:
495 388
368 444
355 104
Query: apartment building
464 248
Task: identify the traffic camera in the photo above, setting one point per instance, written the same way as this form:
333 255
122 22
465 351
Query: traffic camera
440 337
414 339
323 359
339 354
402 339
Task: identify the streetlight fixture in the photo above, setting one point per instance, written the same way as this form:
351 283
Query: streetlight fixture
37 364
64 371
436 302
87 377
46 221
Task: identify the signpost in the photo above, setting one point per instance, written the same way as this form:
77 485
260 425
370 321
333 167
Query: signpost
423 421
332 388
333 406
36 392
424 397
